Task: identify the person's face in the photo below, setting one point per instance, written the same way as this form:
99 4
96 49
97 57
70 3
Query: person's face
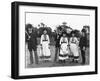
83 34
64 35
45 32
30 30
73 35
87 30
60 32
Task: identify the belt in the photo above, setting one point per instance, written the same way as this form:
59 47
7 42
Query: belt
63 42
73 42
45 40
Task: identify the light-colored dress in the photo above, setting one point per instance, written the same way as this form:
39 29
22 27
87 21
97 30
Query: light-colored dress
63 48
45 45
74 46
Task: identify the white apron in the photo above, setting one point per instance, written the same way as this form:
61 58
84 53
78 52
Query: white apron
63 48
74 46
45 45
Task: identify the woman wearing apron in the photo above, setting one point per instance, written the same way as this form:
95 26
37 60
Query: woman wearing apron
63 48
45 45
74 47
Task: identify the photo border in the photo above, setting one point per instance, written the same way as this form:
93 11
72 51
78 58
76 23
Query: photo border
15 39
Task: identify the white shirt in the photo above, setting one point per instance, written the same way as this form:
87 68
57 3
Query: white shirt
43 38
64 39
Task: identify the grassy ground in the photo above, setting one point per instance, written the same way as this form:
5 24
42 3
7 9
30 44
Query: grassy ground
43 63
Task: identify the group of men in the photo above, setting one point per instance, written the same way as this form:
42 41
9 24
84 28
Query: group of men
65 48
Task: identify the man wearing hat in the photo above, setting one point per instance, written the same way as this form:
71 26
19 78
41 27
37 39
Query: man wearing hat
57 45
32 43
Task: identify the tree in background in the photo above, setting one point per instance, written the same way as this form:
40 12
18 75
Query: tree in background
42 27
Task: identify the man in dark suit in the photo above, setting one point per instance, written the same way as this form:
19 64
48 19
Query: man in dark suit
83 44
32 43
57 39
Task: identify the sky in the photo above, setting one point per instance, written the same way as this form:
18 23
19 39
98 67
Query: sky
53 20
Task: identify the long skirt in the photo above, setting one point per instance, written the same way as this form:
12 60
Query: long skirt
74 49
46 49
63 52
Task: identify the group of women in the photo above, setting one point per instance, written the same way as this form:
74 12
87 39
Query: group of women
67 48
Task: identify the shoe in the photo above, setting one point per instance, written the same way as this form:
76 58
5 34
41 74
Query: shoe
73 60
76 61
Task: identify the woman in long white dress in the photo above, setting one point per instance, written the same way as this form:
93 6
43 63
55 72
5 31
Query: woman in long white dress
63 48
45 41
74 47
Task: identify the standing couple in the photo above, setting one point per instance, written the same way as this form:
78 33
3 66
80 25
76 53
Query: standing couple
31 40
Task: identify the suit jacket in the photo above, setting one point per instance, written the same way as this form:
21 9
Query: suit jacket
57 39
32 41
83 42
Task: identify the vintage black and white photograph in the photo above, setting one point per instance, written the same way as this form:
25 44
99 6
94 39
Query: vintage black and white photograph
53 40
56 39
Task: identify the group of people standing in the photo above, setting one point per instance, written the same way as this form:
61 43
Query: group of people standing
70 47
65 48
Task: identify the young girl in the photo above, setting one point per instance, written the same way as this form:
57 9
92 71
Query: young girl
45 41
63 48
74 47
